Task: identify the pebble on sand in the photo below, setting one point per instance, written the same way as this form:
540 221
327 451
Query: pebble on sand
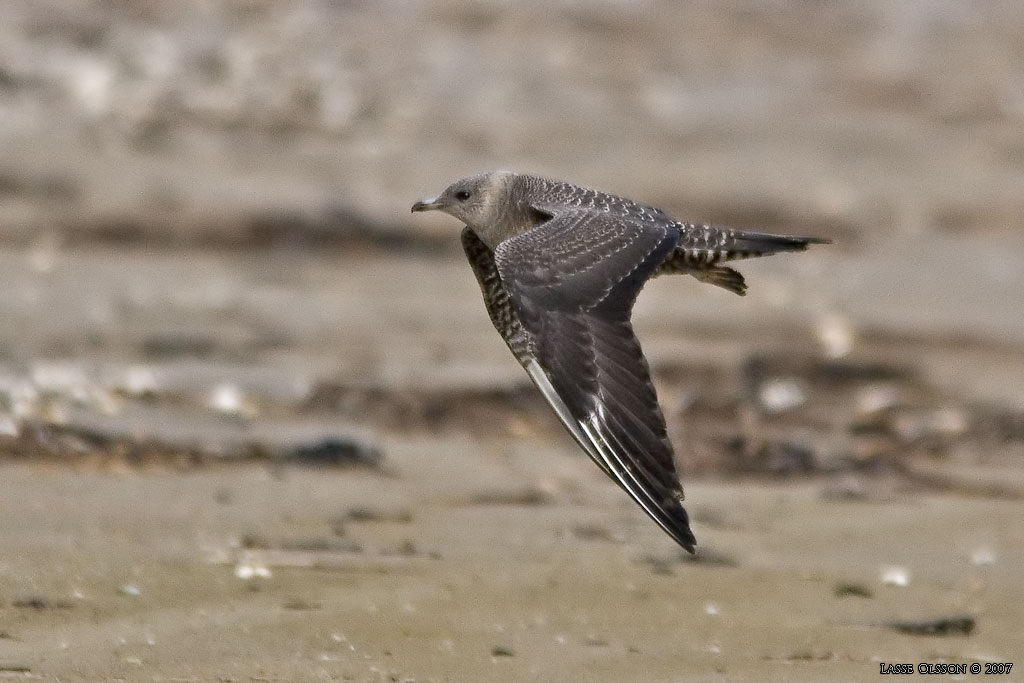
895 576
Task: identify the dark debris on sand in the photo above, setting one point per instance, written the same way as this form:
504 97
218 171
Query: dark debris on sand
788 414
85 444
943 626
40 602
336 452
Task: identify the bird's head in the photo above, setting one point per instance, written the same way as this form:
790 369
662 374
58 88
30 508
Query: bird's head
475 200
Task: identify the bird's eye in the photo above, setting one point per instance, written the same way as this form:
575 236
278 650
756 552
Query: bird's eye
462 195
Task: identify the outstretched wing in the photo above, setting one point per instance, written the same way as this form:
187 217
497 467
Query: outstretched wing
506 322
572 282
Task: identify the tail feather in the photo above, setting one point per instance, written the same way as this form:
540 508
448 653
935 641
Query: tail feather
762 244
702 247
723 277
712 244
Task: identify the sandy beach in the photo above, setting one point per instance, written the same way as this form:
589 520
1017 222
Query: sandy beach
478 564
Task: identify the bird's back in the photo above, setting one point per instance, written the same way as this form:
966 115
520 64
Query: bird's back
557 193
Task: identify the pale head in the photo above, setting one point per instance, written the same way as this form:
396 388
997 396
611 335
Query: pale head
480 201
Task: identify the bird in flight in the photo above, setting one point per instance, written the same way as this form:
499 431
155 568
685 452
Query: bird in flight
560 267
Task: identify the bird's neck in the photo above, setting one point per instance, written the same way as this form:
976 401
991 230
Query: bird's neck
509 214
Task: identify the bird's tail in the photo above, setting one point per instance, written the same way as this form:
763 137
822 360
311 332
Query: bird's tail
727 244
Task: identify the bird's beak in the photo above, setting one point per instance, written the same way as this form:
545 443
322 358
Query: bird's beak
427 205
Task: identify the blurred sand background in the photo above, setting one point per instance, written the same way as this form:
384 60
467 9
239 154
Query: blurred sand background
255 424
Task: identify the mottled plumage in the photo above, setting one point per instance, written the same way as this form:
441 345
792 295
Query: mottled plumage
560 268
